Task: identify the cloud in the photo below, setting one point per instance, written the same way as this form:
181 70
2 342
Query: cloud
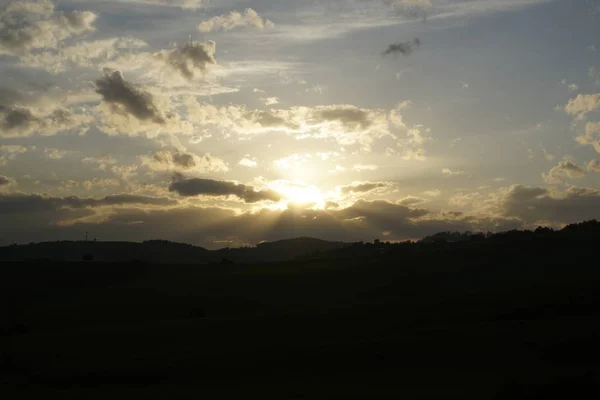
95 184
404 48
183 4
362 167
101 163
21 122
349 117
55 154
10 152
213 188
449 172
28 25
414 144
269 101
87 54
44 100
573 87
346 124
127 108
362 187
409 8
233 20
191 59
564 169
246 162
363 220
6 183
124 97
17 203
432 193
167 160
582 104
592 135
411 201
464 199
532 204
594 166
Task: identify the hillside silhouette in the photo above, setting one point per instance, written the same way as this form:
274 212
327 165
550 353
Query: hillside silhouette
512 315
163 252
167 252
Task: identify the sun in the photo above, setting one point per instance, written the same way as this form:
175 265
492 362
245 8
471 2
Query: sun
299 193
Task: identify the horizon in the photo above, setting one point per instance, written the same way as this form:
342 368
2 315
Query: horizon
231 123
256 245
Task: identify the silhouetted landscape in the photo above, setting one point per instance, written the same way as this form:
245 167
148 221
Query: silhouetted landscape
456 315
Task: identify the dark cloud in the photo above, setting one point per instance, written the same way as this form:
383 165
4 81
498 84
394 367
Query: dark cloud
210 187
4 181
207 226
270 119
17 203
331 204
411 201
362 187
404 48
116 91
350 117
191 58
532 204
173 160
184 160
20 121
16 118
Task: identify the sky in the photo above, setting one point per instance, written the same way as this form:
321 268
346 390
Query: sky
225 123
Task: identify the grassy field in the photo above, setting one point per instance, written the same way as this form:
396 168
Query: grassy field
314 329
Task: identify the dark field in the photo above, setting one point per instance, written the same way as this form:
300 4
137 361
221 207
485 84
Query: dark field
470 324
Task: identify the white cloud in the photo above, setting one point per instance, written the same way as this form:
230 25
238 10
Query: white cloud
361 168
89 54
28 25
101 163
10 152
55 154
176 161
269 101
449 172
234 19
432 193
564 169
346 124
593 166
247 162
582 104
571 86
592 135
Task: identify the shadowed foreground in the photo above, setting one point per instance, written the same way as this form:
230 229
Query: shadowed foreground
508 319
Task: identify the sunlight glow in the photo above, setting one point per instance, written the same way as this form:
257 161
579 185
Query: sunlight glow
299 193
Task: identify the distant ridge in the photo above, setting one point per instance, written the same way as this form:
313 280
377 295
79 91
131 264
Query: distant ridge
163 251
303 248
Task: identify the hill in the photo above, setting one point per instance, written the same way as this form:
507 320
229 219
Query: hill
506 316
162 252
